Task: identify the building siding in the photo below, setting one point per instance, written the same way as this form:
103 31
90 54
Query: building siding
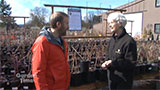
151 13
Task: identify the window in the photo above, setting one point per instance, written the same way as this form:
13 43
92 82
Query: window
157 28
97 19
157 3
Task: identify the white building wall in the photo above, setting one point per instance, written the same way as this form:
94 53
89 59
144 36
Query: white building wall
136 25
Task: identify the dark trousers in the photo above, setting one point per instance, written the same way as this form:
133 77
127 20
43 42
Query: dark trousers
120 85
117 83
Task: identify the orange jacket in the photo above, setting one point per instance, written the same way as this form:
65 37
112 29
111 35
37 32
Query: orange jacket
50 67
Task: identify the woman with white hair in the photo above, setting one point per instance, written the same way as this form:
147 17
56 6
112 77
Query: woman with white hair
121 54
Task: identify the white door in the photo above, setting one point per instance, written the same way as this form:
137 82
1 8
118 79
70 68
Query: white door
134 23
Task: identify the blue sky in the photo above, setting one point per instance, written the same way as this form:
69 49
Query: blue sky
23 7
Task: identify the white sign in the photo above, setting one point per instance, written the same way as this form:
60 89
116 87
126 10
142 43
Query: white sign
74 19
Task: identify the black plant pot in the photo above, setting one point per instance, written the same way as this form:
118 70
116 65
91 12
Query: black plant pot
84 66
76 79
148 68
84 77
142 69
136 71
91 77
101 75
97 74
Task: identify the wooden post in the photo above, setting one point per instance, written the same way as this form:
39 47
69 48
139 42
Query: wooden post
52 8
131 27
24 23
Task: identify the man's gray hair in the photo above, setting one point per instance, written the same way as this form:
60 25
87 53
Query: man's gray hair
118 17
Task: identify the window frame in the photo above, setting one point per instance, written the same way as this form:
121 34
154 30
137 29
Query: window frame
156 2
155 28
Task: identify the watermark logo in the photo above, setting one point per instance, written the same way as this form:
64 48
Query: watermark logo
26 78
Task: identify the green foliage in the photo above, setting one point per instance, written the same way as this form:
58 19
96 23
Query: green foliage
5 8
38 15
5 12
84 24
93 19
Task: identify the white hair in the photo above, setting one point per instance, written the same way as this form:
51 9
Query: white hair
118 17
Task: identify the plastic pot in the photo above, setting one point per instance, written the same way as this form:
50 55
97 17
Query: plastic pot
84 66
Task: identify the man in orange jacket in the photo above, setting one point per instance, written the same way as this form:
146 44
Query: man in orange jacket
50 67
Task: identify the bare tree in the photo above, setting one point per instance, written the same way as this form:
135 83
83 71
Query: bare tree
38 16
